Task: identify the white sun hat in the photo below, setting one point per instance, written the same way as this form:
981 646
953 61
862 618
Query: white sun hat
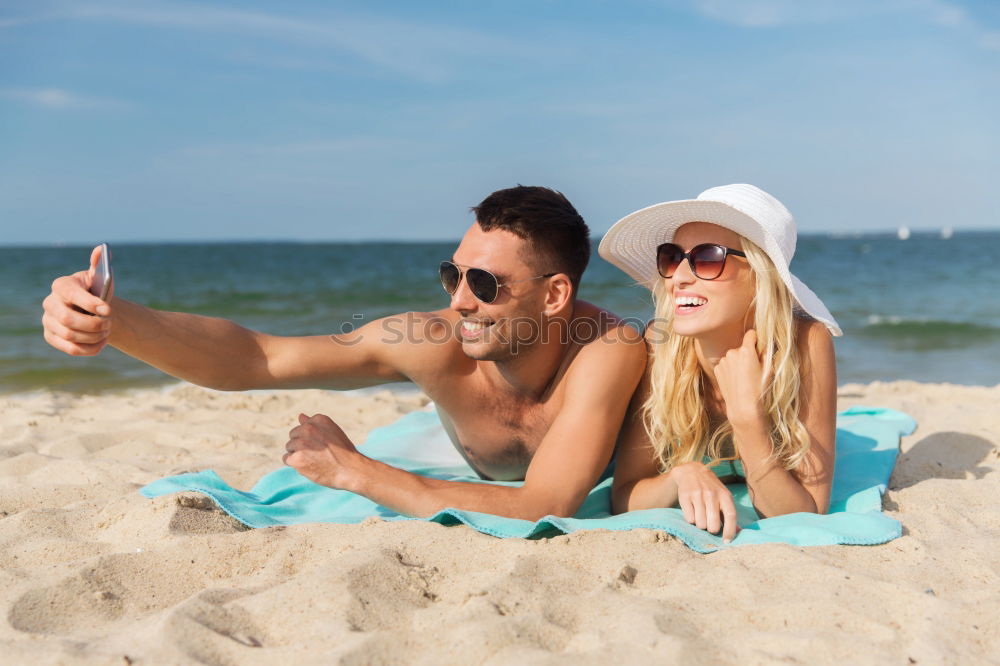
749 211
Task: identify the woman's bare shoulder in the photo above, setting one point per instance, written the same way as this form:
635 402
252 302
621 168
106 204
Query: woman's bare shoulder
817 357
810 332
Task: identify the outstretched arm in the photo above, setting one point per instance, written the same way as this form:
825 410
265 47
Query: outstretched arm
567 464
218 353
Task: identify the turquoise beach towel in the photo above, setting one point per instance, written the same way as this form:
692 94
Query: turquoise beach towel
867 444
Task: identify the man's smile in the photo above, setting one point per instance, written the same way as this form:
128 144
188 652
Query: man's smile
472 328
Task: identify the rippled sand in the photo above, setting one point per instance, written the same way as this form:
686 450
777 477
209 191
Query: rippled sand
91 572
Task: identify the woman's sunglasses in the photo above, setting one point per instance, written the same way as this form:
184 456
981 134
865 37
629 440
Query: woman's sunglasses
707 260
483 284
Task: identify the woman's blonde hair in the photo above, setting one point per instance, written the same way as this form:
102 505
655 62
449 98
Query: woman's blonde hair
676 414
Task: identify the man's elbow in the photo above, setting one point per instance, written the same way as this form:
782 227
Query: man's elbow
229 384
619 502
536 513
535 508
621 494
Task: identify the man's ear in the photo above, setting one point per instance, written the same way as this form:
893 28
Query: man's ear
559 295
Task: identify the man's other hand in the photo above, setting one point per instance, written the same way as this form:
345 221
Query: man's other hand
320 451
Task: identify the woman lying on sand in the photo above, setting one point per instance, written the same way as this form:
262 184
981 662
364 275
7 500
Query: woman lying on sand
742 378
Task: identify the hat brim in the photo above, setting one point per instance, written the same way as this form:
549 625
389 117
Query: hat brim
631 245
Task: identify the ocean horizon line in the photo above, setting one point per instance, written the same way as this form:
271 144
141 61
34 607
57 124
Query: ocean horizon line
838 234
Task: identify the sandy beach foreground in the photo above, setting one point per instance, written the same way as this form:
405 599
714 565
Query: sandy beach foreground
91 572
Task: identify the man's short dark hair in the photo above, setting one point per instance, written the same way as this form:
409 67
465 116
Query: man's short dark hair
557 236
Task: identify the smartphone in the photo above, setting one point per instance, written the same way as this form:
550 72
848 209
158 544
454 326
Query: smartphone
101 286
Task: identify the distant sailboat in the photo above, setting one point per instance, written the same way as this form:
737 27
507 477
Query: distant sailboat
947 233
903 233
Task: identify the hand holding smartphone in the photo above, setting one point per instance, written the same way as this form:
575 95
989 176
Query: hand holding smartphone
77 317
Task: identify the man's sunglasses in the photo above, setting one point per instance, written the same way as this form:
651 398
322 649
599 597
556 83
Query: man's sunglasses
483 284
706 260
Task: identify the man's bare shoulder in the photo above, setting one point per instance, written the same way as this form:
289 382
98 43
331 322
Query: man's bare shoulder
596 327
415 338
608 344
443 316
437 328
609 359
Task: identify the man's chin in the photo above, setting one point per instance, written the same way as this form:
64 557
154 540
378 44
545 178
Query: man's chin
479 351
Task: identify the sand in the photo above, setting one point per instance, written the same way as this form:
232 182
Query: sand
94 573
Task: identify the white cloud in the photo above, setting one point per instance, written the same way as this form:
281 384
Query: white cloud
57 98
419 50
990 40
954 17
949 15
320 147
778 13
775 13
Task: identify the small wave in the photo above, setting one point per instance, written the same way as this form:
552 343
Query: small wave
896 322
928 334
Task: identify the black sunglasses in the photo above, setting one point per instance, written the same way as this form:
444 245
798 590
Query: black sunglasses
484 285
707 260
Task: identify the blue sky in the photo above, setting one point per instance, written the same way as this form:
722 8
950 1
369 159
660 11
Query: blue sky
134 120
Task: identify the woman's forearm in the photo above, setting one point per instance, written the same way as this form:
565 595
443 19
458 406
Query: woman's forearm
774 490
654 492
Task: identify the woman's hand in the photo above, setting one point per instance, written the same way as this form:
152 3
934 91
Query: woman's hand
706 502
740 375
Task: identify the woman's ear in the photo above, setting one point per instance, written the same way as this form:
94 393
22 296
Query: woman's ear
559 294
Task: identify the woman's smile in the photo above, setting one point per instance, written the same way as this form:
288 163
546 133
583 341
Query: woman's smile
687 303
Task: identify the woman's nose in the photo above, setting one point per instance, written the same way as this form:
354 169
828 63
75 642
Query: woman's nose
683 274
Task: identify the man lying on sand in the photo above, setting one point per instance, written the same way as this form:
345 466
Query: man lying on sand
530 382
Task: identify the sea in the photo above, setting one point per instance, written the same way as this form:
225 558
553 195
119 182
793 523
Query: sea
924 308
